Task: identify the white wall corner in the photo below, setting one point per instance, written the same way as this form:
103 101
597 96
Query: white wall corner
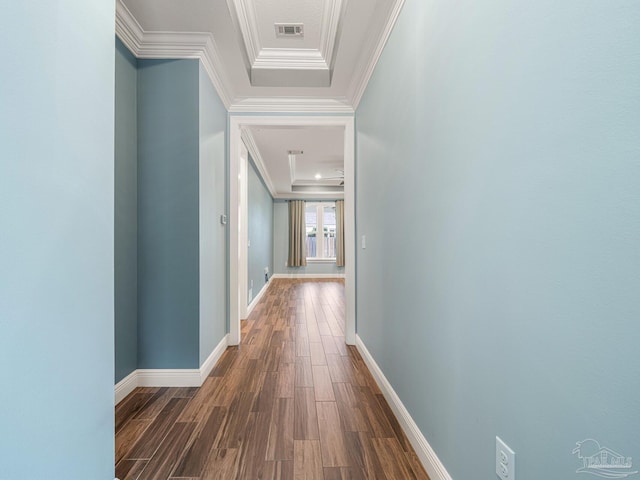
430 461
211 361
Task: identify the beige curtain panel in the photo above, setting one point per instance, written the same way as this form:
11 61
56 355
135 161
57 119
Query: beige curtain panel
340 233
297 234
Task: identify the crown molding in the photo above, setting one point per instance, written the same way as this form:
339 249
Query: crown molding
128 29
246 18
366 68
250 143
173 45
201 45
290 105
329 32
286 58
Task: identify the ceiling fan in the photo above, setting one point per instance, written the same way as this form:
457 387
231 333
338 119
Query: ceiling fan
339 176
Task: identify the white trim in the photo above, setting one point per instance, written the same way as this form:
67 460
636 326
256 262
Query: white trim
278 58
278 104
200 45
432 464
246 18
257 298
250 143
322 196
243 266
169 377
321 260
363 73
125 386
127 27
178 377
236 124
210 362
308 275
329 29
350 233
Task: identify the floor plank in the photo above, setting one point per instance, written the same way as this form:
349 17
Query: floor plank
307 463
291 402
332 440
322 383
169 453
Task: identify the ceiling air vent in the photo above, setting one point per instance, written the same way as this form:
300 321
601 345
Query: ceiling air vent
289 30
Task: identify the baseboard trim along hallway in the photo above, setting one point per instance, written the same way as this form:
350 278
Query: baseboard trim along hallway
181 377
257 298
430 461
308 276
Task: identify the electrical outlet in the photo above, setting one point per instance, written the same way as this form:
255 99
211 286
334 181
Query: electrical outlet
505 461
266 270
364 241
251 285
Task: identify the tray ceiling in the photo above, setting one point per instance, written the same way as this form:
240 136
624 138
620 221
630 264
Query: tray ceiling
324 70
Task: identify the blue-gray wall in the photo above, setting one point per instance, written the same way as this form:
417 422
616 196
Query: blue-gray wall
281 247
498 169
260 231
126 212
57 240
213 278
168 198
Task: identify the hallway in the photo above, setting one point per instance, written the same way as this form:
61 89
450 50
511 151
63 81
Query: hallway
291 402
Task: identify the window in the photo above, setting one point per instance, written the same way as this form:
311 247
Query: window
321 231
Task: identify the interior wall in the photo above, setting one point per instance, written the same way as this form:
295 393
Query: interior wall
281 247
57 240
212 178
126 212
497 186
260 232
168 214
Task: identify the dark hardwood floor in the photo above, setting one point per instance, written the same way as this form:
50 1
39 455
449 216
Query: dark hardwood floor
291 402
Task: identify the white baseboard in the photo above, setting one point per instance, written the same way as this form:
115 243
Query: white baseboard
180 377
169 377
430 461
125 386
257 298
308 275
210 362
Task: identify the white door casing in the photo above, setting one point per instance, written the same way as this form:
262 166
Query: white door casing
238 239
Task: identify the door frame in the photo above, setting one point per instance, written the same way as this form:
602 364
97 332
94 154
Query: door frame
238 253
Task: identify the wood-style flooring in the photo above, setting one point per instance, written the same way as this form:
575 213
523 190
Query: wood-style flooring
291 402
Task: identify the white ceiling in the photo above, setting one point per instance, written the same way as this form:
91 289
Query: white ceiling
323 154
325 71
254 70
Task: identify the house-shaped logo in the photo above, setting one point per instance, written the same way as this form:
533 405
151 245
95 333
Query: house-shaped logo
602 461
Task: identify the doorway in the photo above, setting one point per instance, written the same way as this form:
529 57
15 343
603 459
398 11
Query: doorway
237 244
